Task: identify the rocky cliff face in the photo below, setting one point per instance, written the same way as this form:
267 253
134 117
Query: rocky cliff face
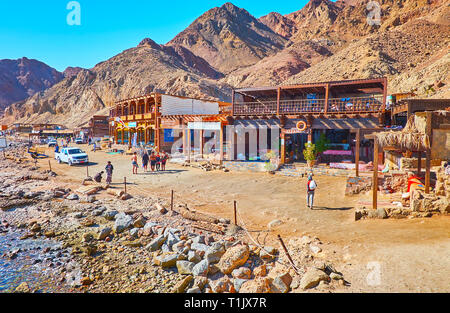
20 79
228 48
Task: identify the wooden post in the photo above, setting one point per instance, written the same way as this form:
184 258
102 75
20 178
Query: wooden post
221 144
125 184
419 164
201 142
357 148
429 133
283 148
49 165
235 212
171 201
375 174
327 95
278 101
189 144
232 102
184 140
427 171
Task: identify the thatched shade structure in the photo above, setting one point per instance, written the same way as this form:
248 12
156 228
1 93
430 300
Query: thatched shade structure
412 138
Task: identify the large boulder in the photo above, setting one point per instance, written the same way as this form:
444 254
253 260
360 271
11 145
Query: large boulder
185 267
122 223
312 278
166 260
201 268
156 243
233 258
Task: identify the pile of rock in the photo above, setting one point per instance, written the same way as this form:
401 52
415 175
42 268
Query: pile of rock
207 166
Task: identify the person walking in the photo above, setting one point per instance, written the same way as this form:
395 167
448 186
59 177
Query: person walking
164 159
109 171
135 163
158 162
311 188
153 161
145 159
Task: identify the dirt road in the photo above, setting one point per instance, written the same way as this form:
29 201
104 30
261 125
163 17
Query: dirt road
375 255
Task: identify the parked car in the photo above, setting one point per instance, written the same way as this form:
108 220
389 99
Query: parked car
72 156
52 142
79 141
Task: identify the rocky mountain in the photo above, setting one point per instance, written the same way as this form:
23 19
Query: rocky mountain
20 79
414 56
229 38
72 71
146 68
228 48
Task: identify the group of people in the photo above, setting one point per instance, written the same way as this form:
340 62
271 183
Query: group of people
157 160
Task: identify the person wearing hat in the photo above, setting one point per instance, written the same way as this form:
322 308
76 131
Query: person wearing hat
311 188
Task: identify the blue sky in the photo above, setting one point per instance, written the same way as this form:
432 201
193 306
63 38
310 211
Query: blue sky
39 30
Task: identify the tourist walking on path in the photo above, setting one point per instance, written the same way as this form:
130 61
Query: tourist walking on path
153 161
158 162
134 163
311 188
109 171
145 159
164 159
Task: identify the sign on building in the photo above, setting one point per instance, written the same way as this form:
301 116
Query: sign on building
179 106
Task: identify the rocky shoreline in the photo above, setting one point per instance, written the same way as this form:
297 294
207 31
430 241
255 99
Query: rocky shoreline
139 245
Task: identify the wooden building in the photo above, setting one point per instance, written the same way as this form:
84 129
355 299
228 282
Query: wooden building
303 112
152 118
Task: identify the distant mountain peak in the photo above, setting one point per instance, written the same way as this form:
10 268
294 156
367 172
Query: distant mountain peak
147 42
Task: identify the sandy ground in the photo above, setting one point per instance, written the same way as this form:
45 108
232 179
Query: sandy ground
409 255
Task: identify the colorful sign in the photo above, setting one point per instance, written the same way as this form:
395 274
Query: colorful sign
132 124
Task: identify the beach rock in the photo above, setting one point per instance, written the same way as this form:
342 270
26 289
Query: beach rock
110 215
185 267
72 197
312 278
381 213
315 249
222 285
23 288
194 257
181 286
199 247
268 253
282 283
258 285
91 199
274 224
156 243
122 223
233 258
238 282
194 290
139 222
201 268
242 273
166 260
260 271
215 252
104 232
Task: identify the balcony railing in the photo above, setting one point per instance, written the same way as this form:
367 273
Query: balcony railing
310 106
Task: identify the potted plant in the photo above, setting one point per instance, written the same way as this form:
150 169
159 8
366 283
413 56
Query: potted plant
321 145
309 153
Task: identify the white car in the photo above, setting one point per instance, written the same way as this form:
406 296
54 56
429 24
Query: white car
72 156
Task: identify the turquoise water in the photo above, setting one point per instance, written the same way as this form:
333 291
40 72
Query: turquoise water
31 265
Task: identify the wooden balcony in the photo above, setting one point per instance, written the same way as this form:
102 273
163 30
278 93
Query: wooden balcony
373 104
